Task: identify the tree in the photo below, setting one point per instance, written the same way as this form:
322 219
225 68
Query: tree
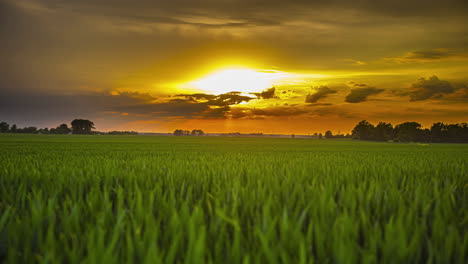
408 132
62 129
383 132
320 136
28 130
180 132
328 134
13 128
82 126
439 132
456 133
197 132
363 131
4 127
43 131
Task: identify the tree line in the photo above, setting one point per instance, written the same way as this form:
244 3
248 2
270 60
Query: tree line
78 126
195 132
411 132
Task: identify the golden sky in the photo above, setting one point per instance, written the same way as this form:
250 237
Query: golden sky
233 65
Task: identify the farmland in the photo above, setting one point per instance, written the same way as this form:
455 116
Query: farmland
145 199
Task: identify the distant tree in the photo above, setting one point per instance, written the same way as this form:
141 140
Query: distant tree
383 132
197 132
82 126
457 133
328 134
13 128
28 130
424 135
180 132
320 136
4 127
408 132
439 132
43 131
122 133
363 131
62 129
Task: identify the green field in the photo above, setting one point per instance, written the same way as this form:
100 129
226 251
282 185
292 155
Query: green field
145 199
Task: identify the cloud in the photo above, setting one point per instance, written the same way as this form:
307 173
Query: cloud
267 94
226 99
256 113
358 95
431 88
321 93
427 56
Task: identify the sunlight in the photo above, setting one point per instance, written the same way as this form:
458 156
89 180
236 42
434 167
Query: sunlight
239 80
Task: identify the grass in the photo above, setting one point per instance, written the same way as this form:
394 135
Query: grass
144 199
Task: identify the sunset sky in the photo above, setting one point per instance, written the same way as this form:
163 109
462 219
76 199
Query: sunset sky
233 65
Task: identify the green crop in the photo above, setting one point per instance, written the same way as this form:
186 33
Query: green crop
145 199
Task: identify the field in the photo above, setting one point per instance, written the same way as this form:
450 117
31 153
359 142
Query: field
145 199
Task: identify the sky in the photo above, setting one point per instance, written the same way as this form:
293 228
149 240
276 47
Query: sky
244 66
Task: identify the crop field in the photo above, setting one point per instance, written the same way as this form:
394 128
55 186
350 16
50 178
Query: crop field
145 199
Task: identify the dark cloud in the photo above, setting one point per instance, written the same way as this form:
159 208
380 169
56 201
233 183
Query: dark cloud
358 95
321 93
226 99
431 88
428 55
267 94
358 84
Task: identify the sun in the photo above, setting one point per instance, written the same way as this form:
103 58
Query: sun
236 80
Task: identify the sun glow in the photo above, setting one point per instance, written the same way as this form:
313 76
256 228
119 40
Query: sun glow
237 80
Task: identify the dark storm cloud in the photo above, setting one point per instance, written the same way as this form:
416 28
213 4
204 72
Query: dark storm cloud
431 88
322 92
358 95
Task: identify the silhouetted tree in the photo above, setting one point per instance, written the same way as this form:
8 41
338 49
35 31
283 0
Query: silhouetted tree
28 130
4 127
320 136
383 132
328 134
43 131
457 133
82 126
438 132
363 131
408 132
197 132
180 132
62 129
13 128
122 133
